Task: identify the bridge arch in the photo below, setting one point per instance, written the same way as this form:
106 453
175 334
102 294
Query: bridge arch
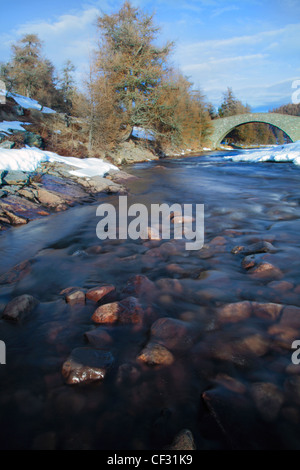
290 125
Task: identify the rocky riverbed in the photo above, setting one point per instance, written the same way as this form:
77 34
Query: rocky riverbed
123 344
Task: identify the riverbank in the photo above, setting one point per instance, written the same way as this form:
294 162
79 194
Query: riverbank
26 196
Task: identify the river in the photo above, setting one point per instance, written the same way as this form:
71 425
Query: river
234 386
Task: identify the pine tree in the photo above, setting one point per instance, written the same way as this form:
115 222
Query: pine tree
67 88
30 73
132 65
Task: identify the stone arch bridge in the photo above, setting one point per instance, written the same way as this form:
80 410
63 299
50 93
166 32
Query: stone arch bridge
221 127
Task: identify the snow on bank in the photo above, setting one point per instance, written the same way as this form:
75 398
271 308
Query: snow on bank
8 126
279 153
26 103
29 158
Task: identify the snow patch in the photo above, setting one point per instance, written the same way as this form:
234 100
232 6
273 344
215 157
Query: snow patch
27 103
29 158
8 126
280 153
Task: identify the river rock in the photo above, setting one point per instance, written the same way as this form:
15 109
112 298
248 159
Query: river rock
259 247
183 441
99 293
97 184
267 311
86 365
266 271
120 176
127 311
99 338
21 207
74 296
170 285
218 241
33 140
156 354
7 144
268 400
256 345
283 335
50 199
172 334
140 286
281 286
16 273
20 307
15 177
291 317
236 312
248 262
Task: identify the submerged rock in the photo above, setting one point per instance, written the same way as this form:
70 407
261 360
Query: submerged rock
156 354
16 273
268 400
290 317
140 286
183 441
99 338
259 247
74 296
268 311
128 311
266 271
236 312
19 307
98 293
172 334
86 365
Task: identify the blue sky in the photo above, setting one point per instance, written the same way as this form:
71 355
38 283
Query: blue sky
252 46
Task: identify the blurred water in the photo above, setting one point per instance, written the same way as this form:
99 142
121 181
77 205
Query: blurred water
244 203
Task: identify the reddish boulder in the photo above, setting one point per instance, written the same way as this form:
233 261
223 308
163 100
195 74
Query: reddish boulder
156 354
86 365
98 293
128 311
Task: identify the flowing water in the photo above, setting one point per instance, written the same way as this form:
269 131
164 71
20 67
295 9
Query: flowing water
229 390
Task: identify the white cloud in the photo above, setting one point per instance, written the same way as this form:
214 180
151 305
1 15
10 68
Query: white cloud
221 11
208 65
69 36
